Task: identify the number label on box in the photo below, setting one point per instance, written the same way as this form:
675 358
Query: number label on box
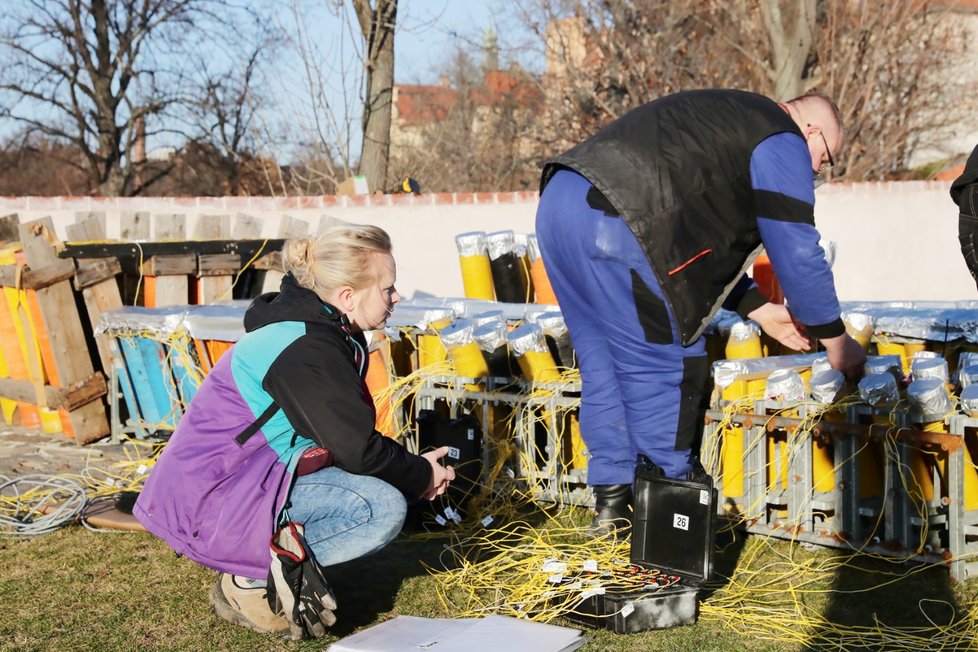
680 521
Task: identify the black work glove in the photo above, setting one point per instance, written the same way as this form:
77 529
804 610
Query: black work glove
297 586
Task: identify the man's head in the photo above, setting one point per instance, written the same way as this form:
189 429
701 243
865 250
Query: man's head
820 123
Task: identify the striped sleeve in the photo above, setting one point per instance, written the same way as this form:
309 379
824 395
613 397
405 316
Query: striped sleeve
784 196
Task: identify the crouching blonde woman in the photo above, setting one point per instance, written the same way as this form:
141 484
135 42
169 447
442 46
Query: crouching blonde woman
282 428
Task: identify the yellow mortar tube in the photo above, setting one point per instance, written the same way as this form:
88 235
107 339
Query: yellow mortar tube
732 446
469 363
539 367
905 350
477 277
575 443
30 351
740 349
430 349
921 486
823 464
970 473
777 449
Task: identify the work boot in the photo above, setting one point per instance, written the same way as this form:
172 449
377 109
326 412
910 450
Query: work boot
234 600
613 508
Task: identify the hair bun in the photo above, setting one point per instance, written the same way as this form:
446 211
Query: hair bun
297 256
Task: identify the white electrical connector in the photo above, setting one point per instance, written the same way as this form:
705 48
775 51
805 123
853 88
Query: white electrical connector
592 592
551 565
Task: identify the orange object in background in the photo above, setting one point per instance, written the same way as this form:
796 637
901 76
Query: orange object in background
378 380
18 342
209 352
216 348
149 291
205 361
766 280
11 336
541 283
49 418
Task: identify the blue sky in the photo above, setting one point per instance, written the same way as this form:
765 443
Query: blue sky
430 28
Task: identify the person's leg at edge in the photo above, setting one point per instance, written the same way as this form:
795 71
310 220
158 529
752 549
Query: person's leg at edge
566 229
661 380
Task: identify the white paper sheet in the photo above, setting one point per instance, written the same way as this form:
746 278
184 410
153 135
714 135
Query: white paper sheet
489 634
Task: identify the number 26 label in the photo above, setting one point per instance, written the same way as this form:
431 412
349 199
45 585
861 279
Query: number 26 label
680 521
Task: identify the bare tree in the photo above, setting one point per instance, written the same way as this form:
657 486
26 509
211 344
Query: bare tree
34 166
377 21
324 99
886 64
878 60
773 38
605 57
790 30
475 131
89 72
881 62
344 78
224 110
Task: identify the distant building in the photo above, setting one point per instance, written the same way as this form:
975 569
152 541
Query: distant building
418 109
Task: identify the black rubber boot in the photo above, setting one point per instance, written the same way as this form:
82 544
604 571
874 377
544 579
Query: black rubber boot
613 507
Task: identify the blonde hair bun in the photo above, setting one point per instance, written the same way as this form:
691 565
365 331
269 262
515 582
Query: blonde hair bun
338 257
297 257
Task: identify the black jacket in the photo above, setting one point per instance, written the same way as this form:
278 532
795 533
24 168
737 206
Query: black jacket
317 381
964 192
968 176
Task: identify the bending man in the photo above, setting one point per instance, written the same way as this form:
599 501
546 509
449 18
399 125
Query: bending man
648 227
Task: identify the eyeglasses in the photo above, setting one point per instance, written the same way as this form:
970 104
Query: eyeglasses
827 150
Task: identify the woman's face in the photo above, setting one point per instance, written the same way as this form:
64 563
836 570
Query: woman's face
372 305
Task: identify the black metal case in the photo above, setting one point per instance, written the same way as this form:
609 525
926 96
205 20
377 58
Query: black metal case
673 530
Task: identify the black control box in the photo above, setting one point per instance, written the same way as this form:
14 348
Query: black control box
673 531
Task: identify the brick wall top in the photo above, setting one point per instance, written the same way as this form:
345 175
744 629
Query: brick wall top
245 204
884 186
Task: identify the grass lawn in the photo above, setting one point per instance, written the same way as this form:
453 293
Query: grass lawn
80 590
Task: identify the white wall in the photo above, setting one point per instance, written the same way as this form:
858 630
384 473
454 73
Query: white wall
895 241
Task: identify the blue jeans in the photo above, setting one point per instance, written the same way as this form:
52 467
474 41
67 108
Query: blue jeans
346 516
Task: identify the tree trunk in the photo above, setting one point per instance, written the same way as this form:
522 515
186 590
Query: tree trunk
114 185
377 26
791 43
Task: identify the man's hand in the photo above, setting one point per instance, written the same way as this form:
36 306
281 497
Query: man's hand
440 475
775 320
846 355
